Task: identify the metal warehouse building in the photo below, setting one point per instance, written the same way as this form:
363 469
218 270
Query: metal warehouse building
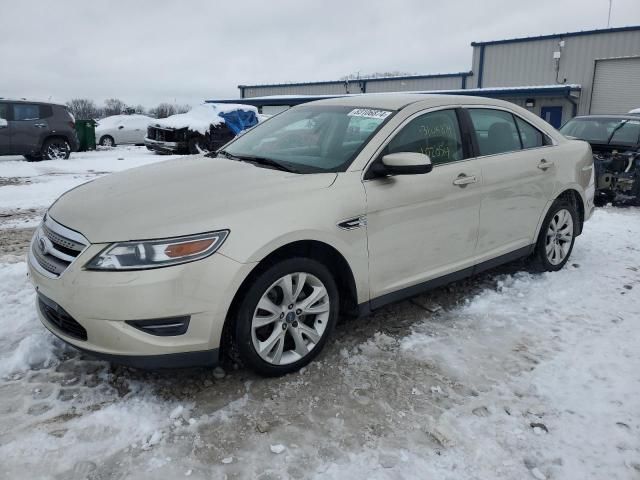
555 76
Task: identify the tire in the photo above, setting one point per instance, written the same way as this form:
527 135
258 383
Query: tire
107 141
290 338
556 238
32 158
56 148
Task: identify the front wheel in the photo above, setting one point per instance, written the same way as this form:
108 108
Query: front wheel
107 141
556 238
286 316
56 149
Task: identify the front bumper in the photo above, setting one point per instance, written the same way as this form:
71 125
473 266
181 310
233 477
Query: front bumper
102 302
165 147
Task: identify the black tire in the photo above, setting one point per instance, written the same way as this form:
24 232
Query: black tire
107 141
32 158
248 305
540 260
56 148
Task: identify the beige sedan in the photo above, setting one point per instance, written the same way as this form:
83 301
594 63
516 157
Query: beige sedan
335 207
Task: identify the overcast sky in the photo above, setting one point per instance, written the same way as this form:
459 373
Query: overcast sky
153 51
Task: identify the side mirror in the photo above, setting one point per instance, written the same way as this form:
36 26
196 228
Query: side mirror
406 163
3 123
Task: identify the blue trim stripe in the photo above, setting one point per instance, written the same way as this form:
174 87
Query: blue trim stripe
559 35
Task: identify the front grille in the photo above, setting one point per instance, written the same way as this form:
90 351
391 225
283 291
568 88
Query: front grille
54 247
161 134
60 319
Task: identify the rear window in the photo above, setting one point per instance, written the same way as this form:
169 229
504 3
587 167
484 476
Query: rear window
26 111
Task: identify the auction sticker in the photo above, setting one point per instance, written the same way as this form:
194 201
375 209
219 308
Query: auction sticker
369 113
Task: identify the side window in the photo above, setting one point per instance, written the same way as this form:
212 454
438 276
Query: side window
25 111
46 111
436 134
3 110
530 135
495 131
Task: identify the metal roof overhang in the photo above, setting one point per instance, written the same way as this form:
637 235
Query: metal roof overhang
523 91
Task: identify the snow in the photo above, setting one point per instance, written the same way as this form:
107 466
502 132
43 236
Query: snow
129 121
38 184
202 117
635 111
525 376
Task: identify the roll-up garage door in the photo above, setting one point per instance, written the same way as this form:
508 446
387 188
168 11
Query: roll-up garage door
616 85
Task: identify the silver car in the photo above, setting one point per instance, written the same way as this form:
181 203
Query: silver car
335 207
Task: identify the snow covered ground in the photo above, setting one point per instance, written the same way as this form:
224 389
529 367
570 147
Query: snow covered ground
505 376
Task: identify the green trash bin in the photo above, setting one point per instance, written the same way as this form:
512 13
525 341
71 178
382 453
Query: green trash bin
86 130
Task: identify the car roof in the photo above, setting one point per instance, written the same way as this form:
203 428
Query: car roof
397 101
30 100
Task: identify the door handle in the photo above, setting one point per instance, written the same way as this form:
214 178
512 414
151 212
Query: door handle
545 164
40 125
464 180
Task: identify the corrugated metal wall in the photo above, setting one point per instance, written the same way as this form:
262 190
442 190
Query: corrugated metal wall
333 88
440 82
412 84
532 63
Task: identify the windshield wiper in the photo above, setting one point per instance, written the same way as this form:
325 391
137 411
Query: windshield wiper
618 127
257 160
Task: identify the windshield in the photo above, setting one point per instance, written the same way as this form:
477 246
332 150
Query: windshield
311 139
604 131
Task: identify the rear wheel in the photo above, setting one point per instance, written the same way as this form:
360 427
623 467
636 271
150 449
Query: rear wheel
107 141
286 316
56 149
557 236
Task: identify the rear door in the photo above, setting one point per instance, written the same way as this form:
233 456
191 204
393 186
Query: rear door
518 179
421 227
5 131
27 128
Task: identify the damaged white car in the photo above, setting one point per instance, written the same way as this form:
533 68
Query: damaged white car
204 128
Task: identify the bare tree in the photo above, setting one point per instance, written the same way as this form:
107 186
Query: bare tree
165 110
139 109
83 108
113 106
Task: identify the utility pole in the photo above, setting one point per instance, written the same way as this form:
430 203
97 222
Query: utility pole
609 17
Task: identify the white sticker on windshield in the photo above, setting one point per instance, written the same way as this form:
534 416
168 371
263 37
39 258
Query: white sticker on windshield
369 113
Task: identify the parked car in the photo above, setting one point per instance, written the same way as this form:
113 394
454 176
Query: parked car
615 141
255 251
37 130
122 130
204 128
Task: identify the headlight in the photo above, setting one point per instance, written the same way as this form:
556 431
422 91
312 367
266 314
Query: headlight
144 254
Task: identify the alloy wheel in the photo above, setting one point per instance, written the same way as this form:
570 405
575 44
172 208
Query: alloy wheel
290 318
58 150
107 142
559 237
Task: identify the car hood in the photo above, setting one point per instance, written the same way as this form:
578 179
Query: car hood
176 197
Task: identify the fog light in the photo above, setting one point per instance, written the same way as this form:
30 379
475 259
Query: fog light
162 327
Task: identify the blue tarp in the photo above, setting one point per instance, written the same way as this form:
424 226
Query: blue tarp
239 120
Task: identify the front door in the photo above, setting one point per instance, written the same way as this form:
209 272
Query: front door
5 132
552 115
423 226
